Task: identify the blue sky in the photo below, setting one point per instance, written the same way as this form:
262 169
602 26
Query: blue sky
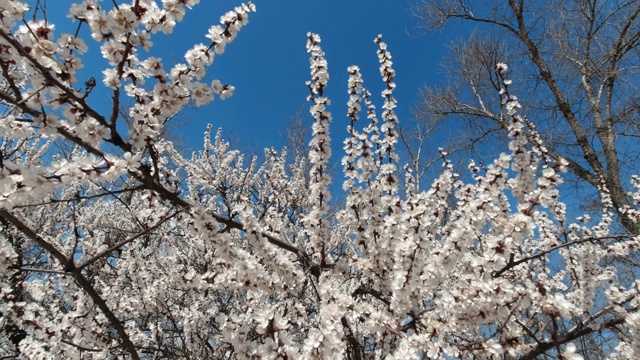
268 63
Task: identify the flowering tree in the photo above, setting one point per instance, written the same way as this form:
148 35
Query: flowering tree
121 247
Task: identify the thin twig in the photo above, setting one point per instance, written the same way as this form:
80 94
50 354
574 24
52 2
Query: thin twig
511 264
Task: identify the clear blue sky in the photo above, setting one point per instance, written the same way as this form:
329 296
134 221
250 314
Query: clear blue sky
268 63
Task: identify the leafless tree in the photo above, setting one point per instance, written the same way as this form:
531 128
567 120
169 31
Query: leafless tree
582 65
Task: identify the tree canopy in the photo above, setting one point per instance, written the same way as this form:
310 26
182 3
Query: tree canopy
113 244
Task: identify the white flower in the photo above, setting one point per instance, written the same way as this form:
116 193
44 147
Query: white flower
201 94
217 86
569 353
501 67
111 78
226 92
7 256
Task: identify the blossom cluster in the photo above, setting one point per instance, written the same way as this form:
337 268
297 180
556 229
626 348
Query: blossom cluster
320 150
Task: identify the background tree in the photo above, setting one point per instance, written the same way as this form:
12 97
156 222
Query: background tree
580 64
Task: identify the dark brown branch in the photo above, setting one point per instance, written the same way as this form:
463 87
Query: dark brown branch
356 349
369 291
574 334
45 271
513 263
108 193
81 347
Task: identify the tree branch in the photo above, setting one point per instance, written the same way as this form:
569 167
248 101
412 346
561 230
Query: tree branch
513 263
571 335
